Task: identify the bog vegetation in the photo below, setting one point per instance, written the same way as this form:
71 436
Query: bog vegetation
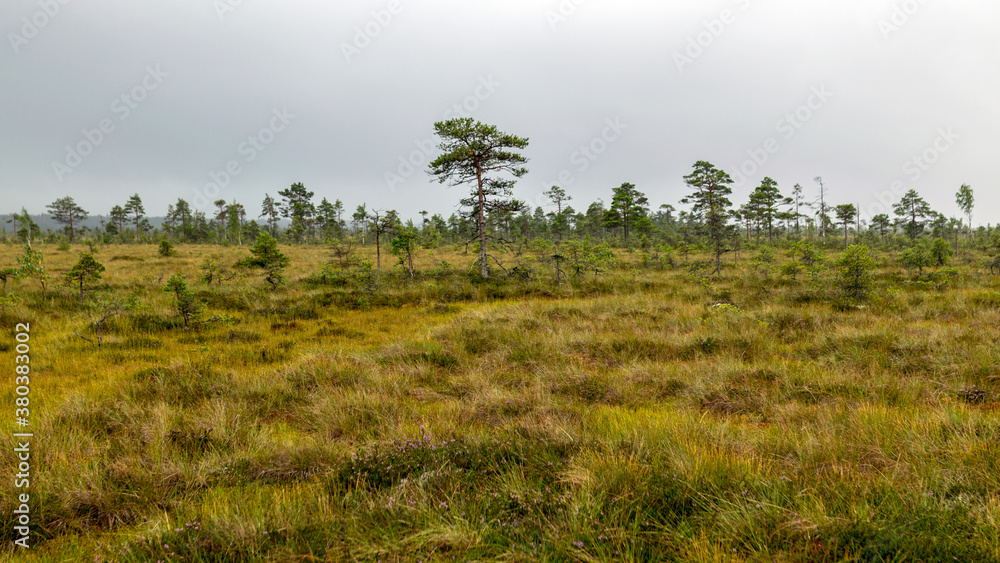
716 384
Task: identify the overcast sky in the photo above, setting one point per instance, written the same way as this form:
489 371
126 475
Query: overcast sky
875 96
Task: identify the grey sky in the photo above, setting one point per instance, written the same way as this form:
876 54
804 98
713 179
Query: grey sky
664 83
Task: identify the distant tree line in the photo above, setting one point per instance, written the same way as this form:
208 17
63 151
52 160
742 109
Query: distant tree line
491 221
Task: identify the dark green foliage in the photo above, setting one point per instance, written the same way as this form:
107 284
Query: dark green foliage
763 206
86 270
881 225
184 301
473 153
67 212
298 207
846 214
25 226
856 268
917 257
912 213
212 271
941 252
329 275
403 245
711 204
136 212
629 208
266 256
166 249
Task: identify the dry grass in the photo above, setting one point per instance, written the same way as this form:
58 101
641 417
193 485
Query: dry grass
643 416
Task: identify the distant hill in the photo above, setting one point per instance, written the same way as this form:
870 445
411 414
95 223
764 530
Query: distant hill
45 222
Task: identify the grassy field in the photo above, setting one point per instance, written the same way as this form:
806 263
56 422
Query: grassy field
640 415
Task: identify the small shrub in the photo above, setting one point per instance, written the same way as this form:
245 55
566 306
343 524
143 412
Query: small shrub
265 255
166 249
856 268
916 257
187 307
86 270
330 275
442 270
941 252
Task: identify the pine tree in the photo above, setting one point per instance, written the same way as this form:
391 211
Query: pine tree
184 301
403 245
87 269
298 207
846 214
472 153
913 213
118 215
711 204
881 225
136 211
765 201
265 255
24 226
270 211
67 212
235 219
630 205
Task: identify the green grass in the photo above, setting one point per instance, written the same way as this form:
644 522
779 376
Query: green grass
646 415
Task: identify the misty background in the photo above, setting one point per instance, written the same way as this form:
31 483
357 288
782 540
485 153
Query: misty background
231 99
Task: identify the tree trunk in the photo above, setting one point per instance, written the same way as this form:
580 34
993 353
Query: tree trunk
483 269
